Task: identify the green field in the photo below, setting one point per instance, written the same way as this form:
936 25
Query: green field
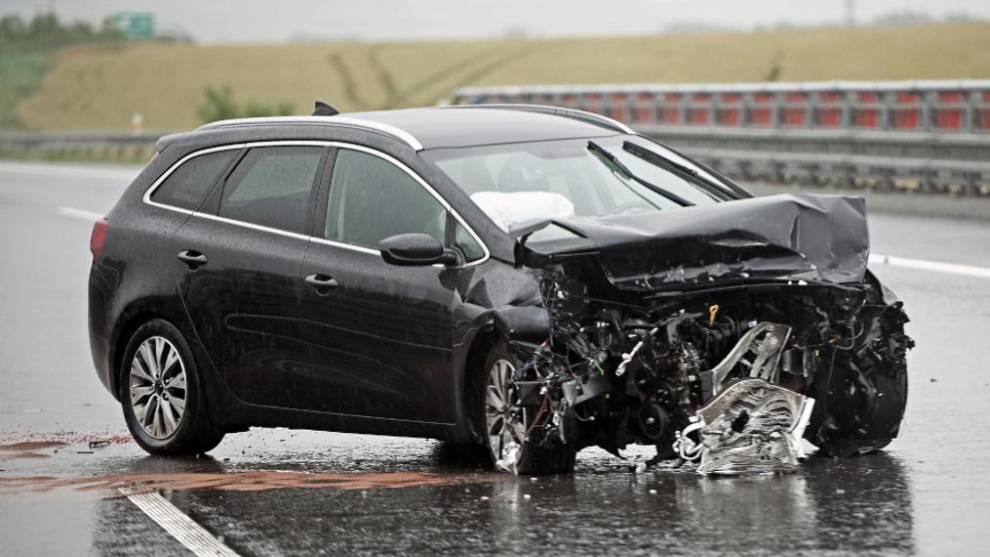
21 74
96 88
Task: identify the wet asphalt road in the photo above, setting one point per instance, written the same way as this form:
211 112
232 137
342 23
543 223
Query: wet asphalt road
928 494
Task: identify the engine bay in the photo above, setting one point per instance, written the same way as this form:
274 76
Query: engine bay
731 377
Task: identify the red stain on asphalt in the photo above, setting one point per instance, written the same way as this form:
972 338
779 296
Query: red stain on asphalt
20 456
27 449
31 446
244 481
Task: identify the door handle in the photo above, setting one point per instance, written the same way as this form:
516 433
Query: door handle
322 283
192 258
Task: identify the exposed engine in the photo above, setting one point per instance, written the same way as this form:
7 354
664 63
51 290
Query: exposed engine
732 377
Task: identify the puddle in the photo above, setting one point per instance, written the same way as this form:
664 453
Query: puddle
27 446
26 450
244 481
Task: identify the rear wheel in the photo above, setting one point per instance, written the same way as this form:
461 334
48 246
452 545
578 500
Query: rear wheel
514 444
162 395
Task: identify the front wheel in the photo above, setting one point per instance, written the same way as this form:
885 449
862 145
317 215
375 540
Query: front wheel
863 404
162 395
514 443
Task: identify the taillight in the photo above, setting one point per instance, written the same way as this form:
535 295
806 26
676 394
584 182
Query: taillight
97 238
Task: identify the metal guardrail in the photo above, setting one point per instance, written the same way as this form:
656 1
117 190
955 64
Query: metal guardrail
957 164
952 163
65 140
926 136
78 146
909 106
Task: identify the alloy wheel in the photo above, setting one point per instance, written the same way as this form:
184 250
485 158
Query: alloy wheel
504 419
158 389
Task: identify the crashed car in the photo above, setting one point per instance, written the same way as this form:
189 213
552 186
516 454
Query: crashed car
532 279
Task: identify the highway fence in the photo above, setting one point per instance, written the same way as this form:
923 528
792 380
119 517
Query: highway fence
929 137
78 146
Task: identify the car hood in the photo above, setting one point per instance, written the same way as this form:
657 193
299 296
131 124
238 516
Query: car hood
800 237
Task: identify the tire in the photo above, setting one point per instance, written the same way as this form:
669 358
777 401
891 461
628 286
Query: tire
533 456
868 398
161 384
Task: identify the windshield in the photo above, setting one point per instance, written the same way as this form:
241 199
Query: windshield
519 183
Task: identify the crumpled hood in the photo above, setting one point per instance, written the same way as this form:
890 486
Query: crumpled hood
815 238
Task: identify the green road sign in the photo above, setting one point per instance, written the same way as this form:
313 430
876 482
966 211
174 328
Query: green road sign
134 25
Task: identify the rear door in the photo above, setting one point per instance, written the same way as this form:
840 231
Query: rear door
380 335
242 254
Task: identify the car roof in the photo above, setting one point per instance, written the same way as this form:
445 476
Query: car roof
464 126
456 126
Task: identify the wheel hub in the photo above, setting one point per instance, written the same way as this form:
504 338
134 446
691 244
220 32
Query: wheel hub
506 433
158 387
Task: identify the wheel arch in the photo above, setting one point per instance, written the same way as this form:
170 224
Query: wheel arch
501 325
480 346
132 318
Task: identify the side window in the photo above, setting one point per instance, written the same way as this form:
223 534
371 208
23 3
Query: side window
372 199
465 242
188 184
271 187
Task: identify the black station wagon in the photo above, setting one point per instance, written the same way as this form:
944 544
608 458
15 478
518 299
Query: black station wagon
530 279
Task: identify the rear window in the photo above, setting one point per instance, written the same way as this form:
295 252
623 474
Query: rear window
271 187
188 184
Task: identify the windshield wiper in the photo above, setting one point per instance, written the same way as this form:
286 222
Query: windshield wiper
605 155
676 167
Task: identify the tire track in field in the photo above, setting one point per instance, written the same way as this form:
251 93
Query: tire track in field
487 69
446 72
347 78
392 95
477 66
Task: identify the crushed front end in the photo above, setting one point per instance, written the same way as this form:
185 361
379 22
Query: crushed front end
725 345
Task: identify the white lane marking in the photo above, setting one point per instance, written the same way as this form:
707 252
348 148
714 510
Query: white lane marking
191 535
934 266
71 171
78 213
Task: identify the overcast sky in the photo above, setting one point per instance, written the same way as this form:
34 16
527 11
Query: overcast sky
212 21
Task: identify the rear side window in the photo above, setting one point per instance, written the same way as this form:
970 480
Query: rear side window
271 187
188 184
372 199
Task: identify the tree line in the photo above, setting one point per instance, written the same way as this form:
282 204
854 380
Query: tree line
46 31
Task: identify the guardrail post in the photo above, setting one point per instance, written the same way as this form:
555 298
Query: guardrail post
969 116
885 117
713 101
846 110
775 109
928 110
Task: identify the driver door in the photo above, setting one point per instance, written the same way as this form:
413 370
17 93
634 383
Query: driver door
379 335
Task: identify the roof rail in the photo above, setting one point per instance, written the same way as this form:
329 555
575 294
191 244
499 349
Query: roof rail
573 113
397 133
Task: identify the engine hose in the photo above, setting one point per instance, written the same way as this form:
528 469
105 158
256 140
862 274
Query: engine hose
684 446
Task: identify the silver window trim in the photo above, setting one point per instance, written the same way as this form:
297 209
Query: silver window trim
388 129
339 144
562 111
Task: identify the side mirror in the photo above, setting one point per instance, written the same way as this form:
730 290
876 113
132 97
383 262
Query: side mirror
415 249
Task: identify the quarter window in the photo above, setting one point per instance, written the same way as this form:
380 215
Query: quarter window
372 199
188 184
470 247
271 186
